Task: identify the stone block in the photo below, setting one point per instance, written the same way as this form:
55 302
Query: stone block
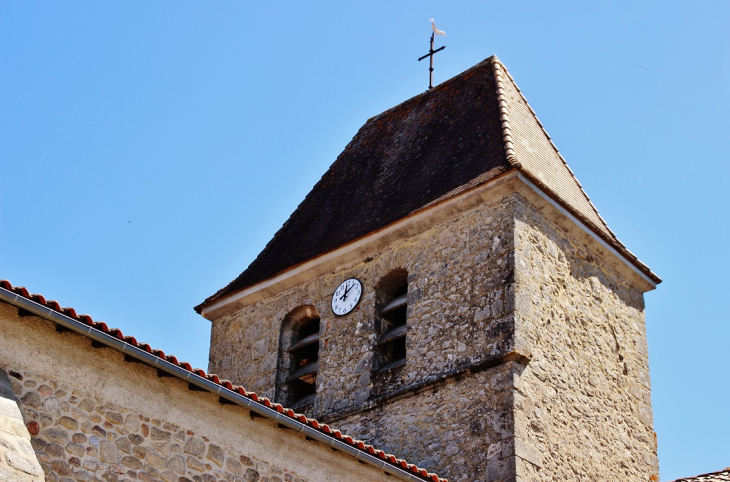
75 449
9 409
114 417
155 460
170 476
13 426
68 423
251 475
124 444
162 448
33 428
84 476
87 404
131 423
157 434
56 436
131 462
45 390
24 464
38 444
52 405
215 454
177 464
524 451
195 464
194 446
234 466
500 468
139 452
7 475
32 399
55 450
108 452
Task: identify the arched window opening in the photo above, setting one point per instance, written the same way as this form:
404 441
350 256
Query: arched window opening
299 358
391 320
304 355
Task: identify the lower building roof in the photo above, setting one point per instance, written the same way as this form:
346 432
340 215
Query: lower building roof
721 476
69 319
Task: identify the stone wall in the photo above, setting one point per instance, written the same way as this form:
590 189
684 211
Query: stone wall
461 427
17 458
505 287
93 416
446 408
584 400
459 315
76 434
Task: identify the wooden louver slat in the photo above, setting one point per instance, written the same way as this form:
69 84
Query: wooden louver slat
313 338
307 369
394 334
395 304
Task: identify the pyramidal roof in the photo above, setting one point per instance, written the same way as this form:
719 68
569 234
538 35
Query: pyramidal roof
462 133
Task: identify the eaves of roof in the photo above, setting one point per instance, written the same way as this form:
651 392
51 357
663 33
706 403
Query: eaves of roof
472 127
588 213
68 319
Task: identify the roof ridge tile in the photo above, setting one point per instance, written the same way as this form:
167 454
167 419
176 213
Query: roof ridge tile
504 114
500 66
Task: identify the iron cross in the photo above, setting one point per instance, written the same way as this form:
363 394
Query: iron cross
430 53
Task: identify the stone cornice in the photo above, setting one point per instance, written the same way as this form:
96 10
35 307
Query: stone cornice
419 221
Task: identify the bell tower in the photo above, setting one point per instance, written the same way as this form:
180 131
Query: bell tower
498 332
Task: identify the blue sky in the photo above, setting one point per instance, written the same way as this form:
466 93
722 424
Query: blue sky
151 149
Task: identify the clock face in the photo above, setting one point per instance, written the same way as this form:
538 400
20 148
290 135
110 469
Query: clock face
346 296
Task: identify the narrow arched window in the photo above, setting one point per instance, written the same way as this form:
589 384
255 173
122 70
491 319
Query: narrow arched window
391 320
298 358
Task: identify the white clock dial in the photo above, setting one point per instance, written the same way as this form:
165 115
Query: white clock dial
346 296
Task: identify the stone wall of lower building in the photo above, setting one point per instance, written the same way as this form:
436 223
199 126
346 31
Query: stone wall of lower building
17 457
584 400
78 435
94 416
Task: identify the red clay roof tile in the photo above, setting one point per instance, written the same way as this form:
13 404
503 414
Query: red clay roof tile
721 476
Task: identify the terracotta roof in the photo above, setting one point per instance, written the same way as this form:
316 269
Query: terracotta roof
462 133
722 476
115 333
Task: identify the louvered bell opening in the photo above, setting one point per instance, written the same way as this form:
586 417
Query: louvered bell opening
304 353
392 343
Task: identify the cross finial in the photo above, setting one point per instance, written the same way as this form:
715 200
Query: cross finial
431 51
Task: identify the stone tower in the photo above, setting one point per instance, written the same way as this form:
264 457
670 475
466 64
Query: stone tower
500 330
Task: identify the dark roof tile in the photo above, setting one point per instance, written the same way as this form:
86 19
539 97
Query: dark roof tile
434 146
398 162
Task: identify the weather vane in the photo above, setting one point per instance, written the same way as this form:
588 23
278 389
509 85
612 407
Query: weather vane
431 51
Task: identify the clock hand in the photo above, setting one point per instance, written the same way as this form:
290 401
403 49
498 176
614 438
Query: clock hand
347 290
